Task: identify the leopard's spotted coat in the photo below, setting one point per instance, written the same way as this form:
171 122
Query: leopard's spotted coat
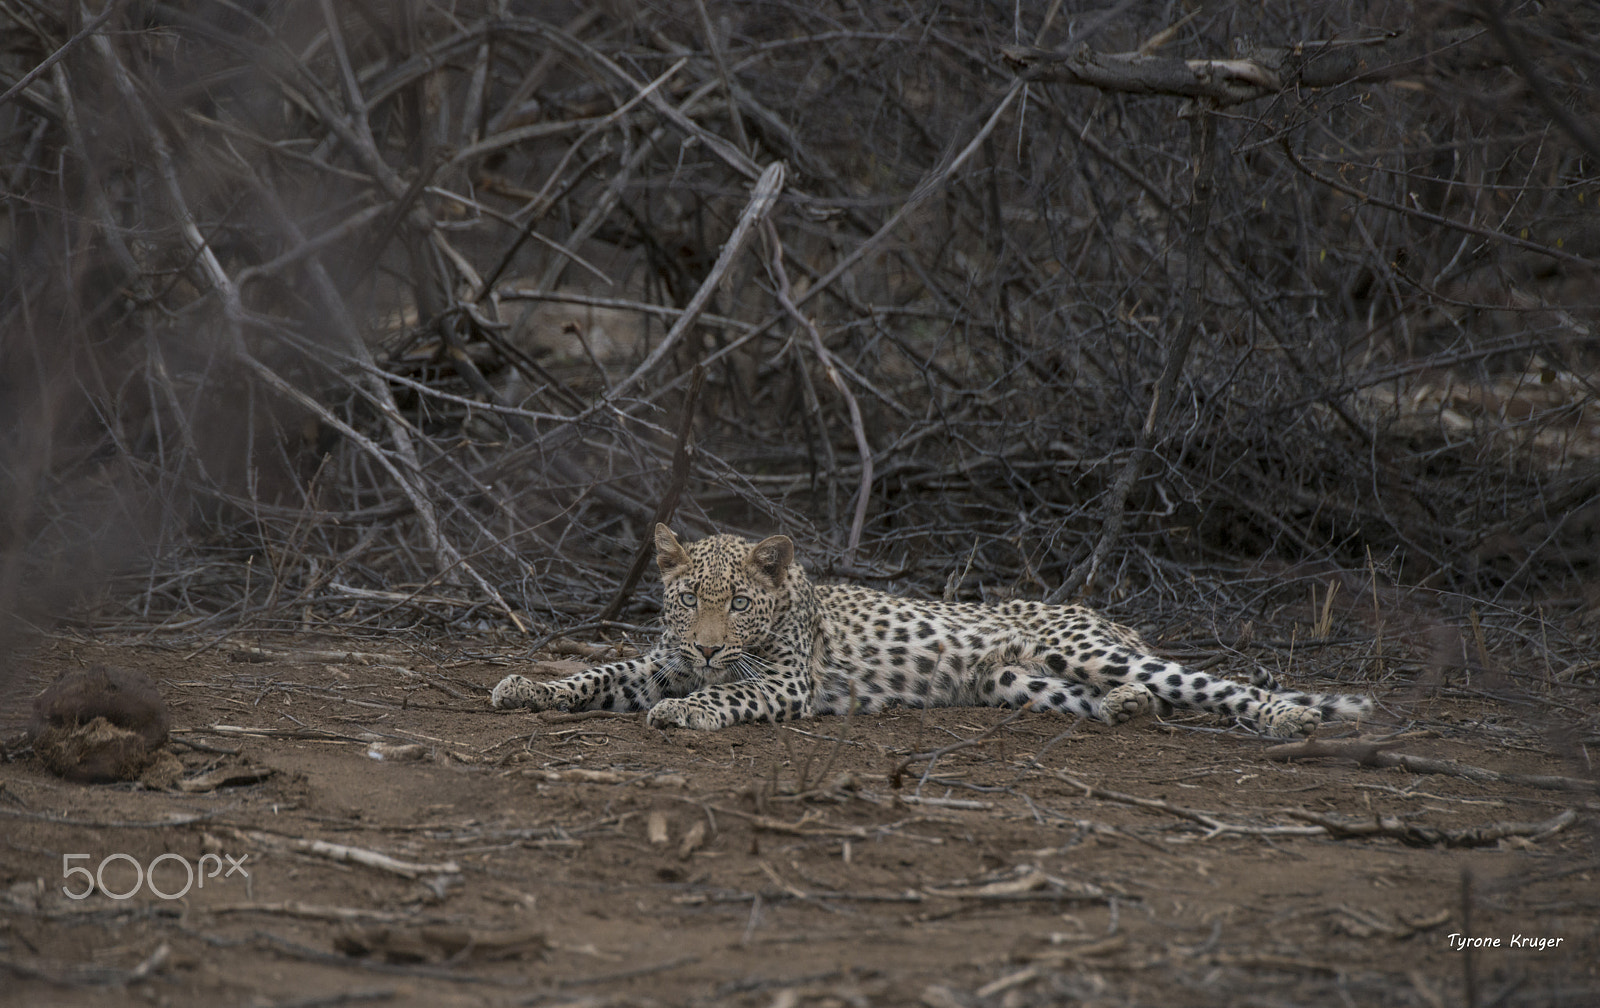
749 637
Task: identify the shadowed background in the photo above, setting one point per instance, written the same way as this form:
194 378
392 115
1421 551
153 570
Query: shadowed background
326 314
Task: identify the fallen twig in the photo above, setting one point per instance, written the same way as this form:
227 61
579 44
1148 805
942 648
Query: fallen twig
442 943
176 819
345 853
224 777
1028 882
1428 836
312 911
803 826
309 734
565 717
933 756
1207 819
956 803
1368 753
297 951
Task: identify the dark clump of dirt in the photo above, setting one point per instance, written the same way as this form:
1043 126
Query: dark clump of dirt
353 824
99 725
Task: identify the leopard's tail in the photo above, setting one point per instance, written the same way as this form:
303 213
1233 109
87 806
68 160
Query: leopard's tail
1330 705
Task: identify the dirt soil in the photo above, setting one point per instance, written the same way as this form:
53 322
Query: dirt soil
571 860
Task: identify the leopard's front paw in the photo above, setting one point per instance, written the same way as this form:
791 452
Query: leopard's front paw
684 712
1289 721
520 691
1124 703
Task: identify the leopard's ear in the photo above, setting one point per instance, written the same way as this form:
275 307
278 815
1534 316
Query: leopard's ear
771 558
671 557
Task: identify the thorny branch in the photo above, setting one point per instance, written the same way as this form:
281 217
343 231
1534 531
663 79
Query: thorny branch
1202 152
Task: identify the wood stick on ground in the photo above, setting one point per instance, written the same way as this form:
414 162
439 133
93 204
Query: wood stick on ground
1340 828
313 734
564 717
345 853
803 826
932 756
1377 754
314 911
1207 819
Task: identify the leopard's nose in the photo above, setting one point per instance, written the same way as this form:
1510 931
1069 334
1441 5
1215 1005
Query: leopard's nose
708 651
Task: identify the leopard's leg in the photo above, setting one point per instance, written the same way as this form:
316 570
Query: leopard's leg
1251 705
1015 675
630 685
779 695
1019 685
1280 715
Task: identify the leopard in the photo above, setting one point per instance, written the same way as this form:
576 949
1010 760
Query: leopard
749 637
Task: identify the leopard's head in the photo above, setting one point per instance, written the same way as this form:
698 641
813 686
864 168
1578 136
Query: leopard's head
722 597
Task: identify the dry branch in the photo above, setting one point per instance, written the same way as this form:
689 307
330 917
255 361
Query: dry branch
1341 828
344 853
1202 152
1254 73
762 198
863 446
669 501
1379 754
1466 227
1214 825
90 28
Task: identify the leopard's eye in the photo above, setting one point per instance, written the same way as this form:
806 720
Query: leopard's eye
740 603
687 598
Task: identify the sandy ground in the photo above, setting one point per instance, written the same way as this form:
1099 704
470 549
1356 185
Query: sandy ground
562 860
